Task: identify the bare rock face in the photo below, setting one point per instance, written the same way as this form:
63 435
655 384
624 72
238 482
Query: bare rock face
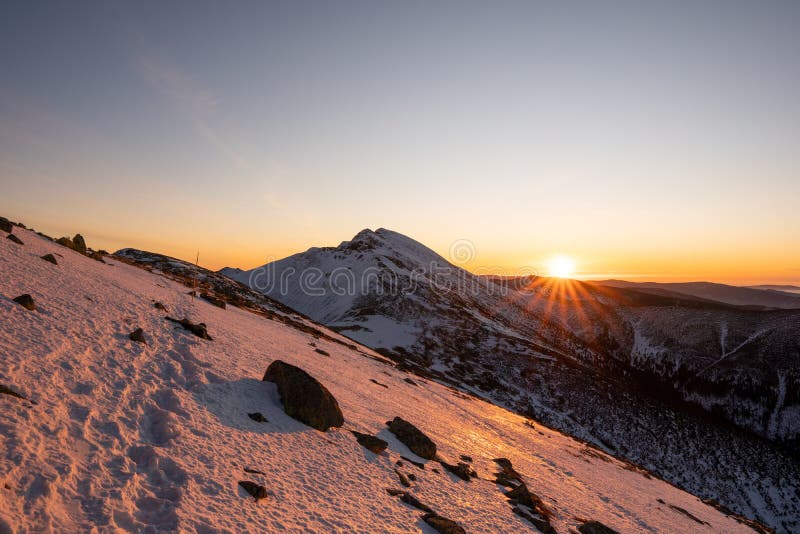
303 397
26 301
413 438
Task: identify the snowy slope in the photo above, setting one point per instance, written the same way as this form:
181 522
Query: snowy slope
659 379
123 436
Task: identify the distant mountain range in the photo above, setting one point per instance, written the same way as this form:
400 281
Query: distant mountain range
699 383
766 296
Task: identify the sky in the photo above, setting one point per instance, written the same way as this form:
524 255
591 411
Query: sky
645 140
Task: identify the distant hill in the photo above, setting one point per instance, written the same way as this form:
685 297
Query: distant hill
780 297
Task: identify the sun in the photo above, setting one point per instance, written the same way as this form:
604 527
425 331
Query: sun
561 266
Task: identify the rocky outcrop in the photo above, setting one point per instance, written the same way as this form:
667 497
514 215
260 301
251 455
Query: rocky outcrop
303 397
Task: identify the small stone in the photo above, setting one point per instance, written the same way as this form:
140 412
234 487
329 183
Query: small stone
26 301
160 306
442 524
15 239
322 352
137 335
257 491
466 458
371 443
403 479
258 417
50 258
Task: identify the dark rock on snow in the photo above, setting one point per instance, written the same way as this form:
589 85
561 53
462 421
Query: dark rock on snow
595 527
442 524
256 490
160 306
50 258
8 391
200 329
371 443
26 301
461 470
410 499
137 335
216 301
303 397
258 417
403 479
79 244
6 225
323 352
413 438
15 239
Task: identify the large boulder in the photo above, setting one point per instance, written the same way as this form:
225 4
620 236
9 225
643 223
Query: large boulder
413 438
303 397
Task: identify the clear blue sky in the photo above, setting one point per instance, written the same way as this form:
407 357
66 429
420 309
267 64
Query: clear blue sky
657 140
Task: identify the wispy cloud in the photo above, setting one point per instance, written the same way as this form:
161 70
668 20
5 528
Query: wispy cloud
197 103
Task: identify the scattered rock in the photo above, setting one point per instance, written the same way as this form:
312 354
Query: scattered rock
413 438
323 352
403 479
160 306
216 301
461 470
595 527
50 258
79 244
26 301
410 499
200 329
303 397
378 383
442 524
258 417
15 239
138 336
371 443
6 225
256 490
8 391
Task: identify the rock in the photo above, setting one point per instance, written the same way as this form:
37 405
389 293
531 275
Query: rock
253 471
79 244
216 301
6 225
371 443
507 476
303 397
466 458
137 335
15 239
408 498
323 352
65 242
200 330
462 470
442 524
258 417
410 381
26 301
403 479
160 306
412 477
378 383
412 462
595 527
256 490
413 438
50 258
8 391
